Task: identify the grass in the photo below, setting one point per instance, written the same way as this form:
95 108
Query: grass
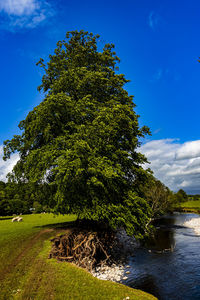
27 273
189 206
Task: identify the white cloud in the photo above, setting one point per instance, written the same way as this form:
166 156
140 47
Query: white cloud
176 165
16 14
157 130
6 166
18 7
153 20
189 150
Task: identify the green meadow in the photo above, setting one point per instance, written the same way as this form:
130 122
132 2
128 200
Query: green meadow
190 206
27 273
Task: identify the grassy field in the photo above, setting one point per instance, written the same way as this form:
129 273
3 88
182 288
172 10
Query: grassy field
27 273
189 206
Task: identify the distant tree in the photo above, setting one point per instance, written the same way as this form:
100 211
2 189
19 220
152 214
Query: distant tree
193 197
19 197
17 205
4 205
82 139
37 207
158 196
181 196
14 198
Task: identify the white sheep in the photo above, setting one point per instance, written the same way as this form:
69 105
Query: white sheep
17 219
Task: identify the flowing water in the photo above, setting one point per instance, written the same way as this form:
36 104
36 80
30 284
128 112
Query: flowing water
169 266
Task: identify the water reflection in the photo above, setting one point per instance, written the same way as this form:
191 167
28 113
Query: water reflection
163 240
147 283
168 266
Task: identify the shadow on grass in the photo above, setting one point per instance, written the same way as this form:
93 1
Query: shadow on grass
5 218
64 225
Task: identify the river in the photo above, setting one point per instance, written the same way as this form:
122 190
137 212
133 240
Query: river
169 266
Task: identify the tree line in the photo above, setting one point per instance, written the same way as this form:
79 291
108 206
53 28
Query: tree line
24 198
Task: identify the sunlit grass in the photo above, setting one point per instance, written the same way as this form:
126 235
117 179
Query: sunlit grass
191 204
27 273
15 236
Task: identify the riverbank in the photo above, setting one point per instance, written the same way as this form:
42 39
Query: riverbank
188 210
118 272
189 206
27 273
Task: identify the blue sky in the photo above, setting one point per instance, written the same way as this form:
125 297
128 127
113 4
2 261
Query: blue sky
158 44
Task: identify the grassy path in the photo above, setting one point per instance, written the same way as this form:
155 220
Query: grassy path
27 273
10 268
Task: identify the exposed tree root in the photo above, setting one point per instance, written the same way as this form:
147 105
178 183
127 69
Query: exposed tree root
85 248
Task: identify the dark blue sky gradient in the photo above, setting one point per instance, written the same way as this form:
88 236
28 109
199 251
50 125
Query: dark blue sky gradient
158 44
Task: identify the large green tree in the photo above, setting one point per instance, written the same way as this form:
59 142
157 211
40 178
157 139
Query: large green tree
82 138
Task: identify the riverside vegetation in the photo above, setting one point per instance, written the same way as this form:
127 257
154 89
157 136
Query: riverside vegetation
78 155
190 206
79 146
27 273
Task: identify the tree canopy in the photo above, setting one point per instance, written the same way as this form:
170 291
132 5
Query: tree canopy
83 137
158 196
181 196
